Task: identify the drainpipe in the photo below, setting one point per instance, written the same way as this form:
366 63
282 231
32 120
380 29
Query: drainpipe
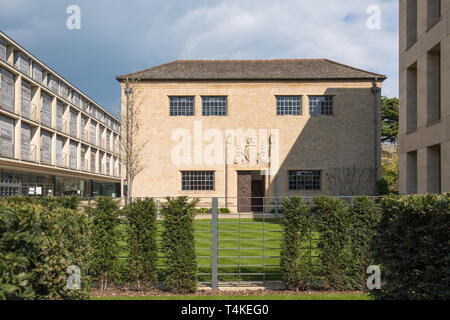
375 90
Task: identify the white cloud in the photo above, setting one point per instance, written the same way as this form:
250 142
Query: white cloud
293 29
133 35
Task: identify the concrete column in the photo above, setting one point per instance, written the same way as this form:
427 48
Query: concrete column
18 94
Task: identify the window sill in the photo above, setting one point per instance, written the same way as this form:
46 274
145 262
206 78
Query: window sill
431 26
433 123
409 46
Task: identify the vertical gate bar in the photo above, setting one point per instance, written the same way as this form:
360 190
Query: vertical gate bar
264 247
239 245
214 245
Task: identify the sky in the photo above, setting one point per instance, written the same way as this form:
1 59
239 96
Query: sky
118 37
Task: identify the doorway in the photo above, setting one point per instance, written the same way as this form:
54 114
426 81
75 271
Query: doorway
250 191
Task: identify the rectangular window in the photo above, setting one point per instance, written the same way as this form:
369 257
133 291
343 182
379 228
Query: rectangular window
6 137
321 105
7 90
22 63
100 138
83 128
83 158
84 105
108 164
37 72
182 106
433 12
73 123
73 155
305 180
53 84
46 110
411 98
93 153
59 116
64 91
411 22
25 140
197 180
214 106
46 147
59 150
93 133
108 139
76 99
289 105
26 100
434 169
434 84
100 163
2 50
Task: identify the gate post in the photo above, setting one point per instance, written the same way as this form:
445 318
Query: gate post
214 244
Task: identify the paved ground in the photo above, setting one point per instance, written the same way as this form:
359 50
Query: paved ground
243 286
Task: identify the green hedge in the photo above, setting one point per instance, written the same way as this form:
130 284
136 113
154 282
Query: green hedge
141 241
332 223
104 240
364 218
37 245
412 247
178 244
294 257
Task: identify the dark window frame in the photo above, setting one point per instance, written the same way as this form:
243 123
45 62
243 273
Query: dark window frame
286 107
215 108
198 180
177 109
326 105
305 180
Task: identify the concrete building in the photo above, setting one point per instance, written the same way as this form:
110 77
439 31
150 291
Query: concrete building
54 139
424 96
258 128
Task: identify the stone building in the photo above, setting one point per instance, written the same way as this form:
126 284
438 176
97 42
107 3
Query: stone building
258 128
424 96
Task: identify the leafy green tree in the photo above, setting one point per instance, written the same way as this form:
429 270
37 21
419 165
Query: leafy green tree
390 169
389 120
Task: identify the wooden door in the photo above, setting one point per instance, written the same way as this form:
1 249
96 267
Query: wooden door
258 195
244 191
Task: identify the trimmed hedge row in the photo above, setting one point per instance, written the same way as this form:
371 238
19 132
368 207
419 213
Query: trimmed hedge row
178 244
408 237
326 245
141 241
412 246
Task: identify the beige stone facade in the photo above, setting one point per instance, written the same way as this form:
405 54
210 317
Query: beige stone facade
424 96
341 146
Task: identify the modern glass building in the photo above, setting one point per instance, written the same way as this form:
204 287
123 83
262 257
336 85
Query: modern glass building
54 139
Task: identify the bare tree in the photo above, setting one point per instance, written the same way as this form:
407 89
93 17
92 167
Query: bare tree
132 143
351 181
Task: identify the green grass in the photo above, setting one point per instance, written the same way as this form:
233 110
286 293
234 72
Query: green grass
256 242
246 250
254 298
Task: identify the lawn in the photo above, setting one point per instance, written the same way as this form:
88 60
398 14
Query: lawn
249 249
